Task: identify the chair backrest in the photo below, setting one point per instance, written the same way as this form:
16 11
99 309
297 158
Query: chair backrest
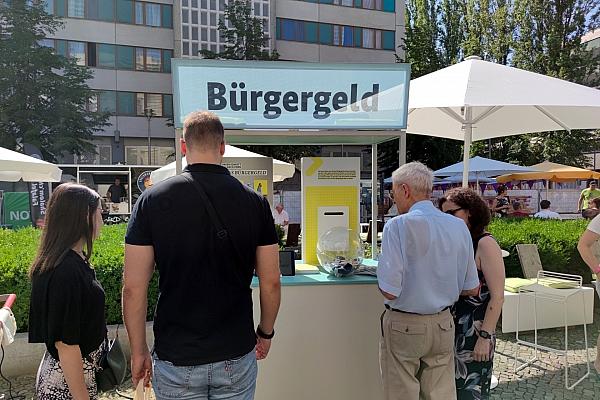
292 235
380 225
530 260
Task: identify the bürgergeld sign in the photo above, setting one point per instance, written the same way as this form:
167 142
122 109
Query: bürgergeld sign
287 95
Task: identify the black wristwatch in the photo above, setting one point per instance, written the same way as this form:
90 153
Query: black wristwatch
260 333
484 334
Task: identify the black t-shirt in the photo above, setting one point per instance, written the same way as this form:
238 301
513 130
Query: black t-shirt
204 310
116 192
67 305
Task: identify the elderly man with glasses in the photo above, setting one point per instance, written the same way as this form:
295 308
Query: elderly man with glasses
426 263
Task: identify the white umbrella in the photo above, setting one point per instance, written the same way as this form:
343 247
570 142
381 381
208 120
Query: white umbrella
281 169
15 166
475 100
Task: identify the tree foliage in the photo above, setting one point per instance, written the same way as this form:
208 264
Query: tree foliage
243 35
535 35
43 95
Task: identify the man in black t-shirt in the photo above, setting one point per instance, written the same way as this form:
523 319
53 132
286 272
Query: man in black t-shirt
204 316
116 191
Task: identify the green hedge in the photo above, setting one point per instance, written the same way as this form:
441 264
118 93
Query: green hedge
18 249
556 240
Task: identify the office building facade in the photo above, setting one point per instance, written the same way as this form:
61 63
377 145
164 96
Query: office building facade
129 45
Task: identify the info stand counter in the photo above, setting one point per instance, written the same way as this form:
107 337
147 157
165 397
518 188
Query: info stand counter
326 343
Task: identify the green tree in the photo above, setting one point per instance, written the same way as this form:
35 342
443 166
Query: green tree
43 95
547 40
245 40
243 35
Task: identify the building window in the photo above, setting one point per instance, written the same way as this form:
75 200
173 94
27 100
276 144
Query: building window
334 35
194 33
106 55
166 16
380 5
77 51
92 104
125 11
103 156
138 155
153 61
140 103
49 6
167 55
76 9
167 105
107 101
139 13
155 103
125 103
125 57
152 14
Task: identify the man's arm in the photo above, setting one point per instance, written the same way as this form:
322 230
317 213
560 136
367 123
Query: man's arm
267 269
579 202
390 268
139 266
584 246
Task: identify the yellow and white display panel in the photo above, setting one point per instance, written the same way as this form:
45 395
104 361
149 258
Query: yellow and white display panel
330 198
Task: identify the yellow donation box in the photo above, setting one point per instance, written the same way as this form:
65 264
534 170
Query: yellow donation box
330 198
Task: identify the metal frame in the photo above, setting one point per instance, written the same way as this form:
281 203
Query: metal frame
559 296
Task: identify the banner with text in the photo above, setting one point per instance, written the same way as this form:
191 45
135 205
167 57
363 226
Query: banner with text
288 95
39 194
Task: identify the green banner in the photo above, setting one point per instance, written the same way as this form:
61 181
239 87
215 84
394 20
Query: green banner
16 209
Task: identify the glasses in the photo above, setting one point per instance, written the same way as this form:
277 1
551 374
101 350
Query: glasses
453 212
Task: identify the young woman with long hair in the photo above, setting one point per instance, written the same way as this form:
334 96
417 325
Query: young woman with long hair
66 310
475 317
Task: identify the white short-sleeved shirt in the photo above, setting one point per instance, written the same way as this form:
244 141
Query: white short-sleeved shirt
280 218
547 214
426 261
594 225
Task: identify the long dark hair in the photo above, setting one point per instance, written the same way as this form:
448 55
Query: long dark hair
469 200
69 218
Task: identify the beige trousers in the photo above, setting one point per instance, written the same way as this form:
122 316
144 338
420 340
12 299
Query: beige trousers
416 354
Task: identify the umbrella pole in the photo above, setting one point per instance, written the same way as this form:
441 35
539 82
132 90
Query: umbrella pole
374 202
467 147
402 149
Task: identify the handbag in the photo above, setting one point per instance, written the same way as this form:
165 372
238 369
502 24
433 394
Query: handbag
112 370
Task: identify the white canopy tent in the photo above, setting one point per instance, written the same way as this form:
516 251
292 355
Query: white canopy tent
281 169
476 100
15 166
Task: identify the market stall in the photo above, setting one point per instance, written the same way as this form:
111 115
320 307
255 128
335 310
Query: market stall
310 104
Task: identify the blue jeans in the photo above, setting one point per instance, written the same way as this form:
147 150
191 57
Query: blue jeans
233 379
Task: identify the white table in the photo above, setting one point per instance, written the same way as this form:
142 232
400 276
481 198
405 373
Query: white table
548 315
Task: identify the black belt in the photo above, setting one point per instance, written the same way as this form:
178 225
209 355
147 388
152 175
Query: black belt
413 313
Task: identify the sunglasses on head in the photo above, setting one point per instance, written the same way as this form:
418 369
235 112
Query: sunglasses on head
453 211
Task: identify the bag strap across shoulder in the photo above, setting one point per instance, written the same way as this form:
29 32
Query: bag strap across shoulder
222 233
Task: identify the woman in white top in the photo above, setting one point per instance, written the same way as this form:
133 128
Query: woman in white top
585 247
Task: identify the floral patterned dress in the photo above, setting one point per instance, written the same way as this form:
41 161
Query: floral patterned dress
473 378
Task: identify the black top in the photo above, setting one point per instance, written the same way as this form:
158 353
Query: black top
116 192
67 305
204 310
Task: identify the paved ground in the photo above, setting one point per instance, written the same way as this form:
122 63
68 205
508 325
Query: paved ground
543 381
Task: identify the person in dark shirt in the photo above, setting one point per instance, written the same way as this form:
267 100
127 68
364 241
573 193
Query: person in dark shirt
205 343
116 191
66 310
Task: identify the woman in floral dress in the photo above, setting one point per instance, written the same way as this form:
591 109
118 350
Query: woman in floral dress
475 317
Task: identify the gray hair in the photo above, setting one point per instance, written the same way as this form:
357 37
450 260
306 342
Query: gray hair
416 175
